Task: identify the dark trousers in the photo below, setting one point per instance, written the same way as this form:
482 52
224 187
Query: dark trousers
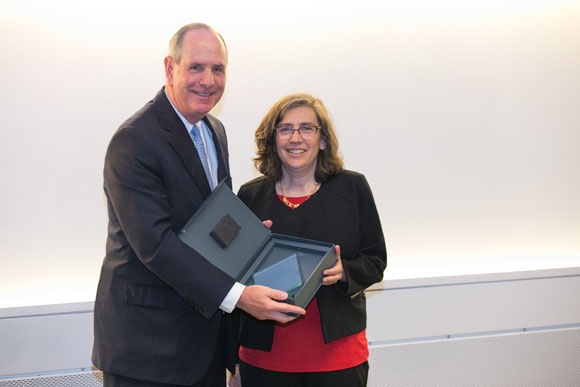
350 377
215 375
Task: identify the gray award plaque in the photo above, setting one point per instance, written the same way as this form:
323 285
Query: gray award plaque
226 233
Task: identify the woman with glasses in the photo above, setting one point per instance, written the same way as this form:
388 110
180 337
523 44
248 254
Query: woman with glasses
306 193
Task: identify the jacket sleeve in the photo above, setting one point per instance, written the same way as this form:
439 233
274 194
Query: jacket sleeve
135 185
367 267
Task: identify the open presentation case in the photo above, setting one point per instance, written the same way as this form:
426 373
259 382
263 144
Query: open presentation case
226 233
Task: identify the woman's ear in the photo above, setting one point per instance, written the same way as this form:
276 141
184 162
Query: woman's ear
322 144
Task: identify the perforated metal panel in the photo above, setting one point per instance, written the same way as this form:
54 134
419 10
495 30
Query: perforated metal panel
83 379
528 359
546 358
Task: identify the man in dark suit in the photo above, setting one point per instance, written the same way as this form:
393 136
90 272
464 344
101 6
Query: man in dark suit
162 310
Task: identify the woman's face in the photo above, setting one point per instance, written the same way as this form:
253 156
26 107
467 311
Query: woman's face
298 154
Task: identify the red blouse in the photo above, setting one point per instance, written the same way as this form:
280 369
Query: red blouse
299 346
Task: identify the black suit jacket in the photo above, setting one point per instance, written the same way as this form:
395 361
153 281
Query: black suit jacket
156 309
342 212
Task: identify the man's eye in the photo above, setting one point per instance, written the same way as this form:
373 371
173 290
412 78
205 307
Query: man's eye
218 70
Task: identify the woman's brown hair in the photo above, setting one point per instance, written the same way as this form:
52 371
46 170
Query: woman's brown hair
329 162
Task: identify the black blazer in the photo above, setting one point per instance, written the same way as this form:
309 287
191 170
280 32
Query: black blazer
342 212
156 310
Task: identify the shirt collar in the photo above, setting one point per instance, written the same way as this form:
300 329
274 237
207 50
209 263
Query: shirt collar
188 125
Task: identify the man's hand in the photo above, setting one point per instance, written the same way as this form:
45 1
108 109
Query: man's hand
263 303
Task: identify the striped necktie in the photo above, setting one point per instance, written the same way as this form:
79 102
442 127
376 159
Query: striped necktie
197 140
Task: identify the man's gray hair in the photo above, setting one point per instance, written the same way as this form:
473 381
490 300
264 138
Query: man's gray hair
176 41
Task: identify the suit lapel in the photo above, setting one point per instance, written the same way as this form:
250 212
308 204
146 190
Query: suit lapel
220 142
181 141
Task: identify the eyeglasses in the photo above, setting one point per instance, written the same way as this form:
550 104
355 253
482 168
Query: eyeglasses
306 131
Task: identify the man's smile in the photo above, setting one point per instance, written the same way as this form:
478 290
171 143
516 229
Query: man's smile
202 94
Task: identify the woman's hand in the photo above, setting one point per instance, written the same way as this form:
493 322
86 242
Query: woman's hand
335 273
235 380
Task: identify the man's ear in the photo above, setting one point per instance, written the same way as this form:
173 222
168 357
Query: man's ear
169 67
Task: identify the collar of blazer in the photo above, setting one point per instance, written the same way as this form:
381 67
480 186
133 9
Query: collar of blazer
181 141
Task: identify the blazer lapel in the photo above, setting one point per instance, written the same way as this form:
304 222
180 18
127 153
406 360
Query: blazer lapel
286 221
181 141
220 143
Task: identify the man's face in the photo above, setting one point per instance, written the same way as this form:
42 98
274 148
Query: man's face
197 83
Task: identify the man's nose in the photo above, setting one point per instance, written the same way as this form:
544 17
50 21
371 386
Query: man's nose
207 78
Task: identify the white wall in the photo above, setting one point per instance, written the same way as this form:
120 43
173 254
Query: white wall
503 329
462 114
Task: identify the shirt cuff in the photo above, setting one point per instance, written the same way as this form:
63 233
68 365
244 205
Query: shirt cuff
229 303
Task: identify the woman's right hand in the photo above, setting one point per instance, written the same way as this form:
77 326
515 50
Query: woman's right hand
335 273
235 379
